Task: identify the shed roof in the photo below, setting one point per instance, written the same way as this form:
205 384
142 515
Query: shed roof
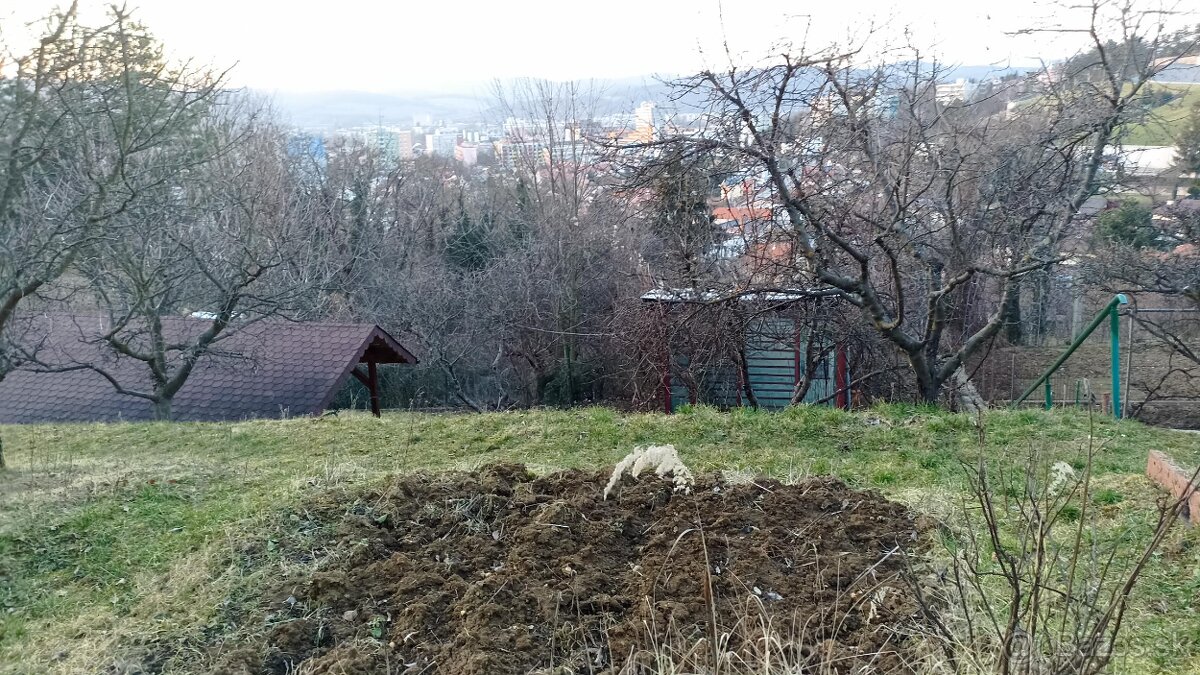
265 369
697 296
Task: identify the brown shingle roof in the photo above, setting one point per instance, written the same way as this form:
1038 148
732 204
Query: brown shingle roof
266 369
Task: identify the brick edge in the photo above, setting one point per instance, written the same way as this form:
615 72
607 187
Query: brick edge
1163 470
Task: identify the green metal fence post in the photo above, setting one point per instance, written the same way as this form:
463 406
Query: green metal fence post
1114 325
1049 395
1110 310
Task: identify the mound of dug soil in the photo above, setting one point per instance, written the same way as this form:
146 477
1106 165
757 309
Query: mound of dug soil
501 571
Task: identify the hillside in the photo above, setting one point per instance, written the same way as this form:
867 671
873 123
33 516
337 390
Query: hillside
1164 122
126 546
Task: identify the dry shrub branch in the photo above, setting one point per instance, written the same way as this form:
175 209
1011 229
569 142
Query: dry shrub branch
1035 584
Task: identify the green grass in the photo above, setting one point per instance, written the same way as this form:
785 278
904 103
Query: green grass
117 537
1164 122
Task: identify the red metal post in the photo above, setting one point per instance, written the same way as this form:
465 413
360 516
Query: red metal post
842 377
666 365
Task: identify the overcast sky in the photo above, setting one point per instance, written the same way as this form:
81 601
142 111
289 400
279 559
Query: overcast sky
400 45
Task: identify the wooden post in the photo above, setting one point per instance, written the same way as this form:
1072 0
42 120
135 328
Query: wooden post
797 363
373 385
666 364
1114 329
842 376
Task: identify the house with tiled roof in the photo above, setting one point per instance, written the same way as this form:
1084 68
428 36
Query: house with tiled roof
263 370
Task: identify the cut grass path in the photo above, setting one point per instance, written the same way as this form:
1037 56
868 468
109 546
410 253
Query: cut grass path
118 537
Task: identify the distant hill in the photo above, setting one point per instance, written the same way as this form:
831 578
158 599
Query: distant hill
981 73
475 103
340 109
1164 122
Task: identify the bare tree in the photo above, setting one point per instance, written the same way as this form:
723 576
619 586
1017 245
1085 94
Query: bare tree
506 278
214 245
897 199
80 115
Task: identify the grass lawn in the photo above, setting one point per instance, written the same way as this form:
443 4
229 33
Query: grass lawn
115 538
1164 122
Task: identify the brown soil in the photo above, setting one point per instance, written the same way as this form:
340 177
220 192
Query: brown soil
500 571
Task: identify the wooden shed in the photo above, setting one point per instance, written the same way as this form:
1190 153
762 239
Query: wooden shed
774 346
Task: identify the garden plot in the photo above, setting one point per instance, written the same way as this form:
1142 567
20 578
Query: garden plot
502 571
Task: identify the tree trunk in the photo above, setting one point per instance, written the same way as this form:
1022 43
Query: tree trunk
3 466
1041 305
744 366
929 387
811 356
801 389
690 382
569 364
456 388
931 390
466 400
1014 331
969 400
162 409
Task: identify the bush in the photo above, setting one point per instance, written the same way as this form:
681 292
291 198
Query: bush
1033 585
1130 224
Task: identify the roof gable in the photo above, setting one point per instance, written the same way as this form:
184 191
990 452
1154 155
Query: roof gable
265 369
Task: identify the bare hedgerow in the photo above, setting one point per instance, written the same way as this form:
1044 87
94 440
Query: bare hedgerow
1032 584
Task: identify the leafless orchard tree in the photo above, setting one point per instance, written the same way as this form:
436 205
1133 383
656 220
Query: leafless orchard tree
391 237
898 201
364 217
581 250
80 113
405 245
214 244
81 116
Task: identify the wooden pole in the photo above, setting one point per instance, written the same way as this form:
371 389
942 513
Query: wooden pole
842 377
1114 326
373 385
666 363
1128 365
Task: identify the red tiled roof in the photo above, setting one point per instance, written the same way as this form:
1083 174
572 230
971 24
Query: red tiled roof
266 369
742 214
